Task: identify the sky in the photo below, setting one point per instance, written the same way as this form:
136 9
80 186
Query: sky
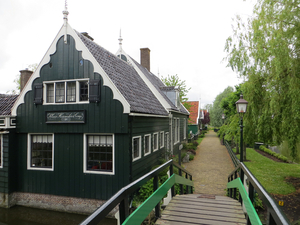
186 38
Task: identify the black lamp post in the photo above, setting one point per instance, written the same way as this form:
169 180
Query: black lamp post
241 107
223 118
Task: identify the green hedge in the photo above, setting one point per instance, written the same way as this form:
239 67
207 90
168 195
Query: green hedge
268 151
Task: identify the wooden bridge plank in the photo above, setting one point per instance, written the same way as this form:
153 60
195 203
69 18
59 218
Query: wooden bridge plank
174 206
189 220
225 201
200 215
189 209
208 204
236 214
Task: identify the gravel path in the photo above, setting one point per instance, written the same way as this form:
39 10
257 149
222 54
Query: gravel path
211 166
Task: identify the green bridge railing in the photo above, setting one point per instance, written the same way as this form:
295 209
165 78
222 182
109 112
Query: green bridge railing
121 198
275 216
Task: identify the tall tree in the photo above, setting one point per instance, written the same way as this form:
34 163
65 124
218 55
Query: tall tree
266 50
216 110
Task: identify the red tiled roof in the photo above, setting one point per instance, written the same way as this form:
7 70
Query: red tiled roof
194 112
6 103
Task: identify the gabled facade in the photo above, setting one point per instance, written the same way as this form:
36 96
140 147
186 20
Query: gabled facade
87 124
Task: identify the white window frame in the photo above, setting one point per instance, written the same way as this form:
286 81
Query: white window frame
77 101
29 167
140 148
157 139
167 134
162 139
178 130
184 128
147 135
85 154
1 150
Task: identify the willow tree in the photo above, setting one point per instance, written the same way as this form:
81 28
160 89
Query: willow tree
266 51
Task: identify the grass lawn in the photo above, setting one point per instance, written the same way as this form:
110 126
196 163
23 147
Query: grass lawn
272 174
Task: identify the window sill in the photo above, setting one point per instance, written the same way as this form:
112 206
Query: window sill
99 172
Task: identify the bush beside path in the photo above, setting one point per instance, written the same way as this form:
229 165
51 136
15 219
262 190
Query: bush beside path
211 166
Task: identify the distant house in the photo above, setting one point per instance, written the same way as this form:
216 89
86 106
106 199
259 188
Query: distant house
193 123
86 124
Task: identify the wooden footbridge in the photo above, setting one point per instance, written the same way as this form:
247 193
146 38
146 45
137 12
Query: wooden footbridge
202 209
188 208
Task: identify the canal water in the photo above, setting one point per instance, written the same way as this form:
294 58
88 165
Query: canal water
19 215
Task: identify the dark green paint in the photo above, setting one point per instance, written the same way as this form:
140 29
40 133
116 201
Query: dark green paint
107 116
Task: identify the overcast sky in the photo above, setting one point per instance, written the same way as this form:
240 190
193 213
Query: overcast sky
186 38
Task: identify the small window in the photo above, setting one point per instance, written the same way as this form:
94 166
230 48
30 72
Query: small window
60 92
184 128
83 91
136 148
162 139
167 139
40 151
2 121
71 91
1 151
99 154
50 93
68 92
147 144
155 141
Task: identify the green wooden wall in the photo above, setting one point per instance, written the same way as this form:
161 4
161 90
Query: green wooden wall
142 126
181 117
8 171
107 116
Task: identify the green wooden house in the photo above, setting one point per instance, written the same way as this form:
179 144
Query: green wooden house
87 123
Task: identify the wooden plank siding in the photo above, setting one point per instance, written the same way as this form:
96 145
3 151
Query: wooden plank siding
142 126
196 209
8 170
4 170
182 139
104 117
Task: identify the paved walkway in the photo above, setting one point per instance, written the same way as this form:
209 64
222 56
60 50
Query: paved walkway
211 166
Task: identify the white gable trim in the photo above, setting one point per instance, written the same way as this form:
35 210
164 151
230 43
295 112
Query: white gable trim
86 54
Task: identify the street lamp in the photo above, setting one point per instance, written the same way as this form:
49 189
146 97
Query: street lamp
241 107
223 118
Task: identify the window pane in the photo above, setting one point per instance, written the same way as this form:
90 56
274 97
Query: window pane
155 144
99 154
71 91
60 92
50 93
136 148
147 144
83 92
41 151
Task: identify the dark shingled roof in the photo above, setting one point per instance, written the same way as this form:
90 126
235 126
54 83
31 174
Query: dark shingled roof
158 84
126 79
6 103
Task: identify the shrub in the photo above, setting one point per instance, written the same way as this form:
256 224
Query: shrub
268 151
192 151
191 157
195 143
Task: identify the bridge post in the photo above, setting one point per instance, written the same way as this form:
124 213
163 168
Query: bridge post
155 187
172 188
234 190
124 209
242 180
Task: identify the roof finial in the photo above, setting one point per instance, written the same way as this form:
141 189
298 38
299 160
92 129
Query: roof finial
65 13
120 40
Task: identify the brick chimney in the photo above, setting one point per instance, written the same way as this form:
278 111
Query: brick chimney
25 75
145 58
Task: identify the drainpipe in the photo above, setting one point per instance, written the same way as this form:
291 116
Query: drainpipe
171 131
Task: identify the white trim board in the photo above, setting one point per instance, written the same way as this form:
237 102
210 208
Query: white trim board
86 54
